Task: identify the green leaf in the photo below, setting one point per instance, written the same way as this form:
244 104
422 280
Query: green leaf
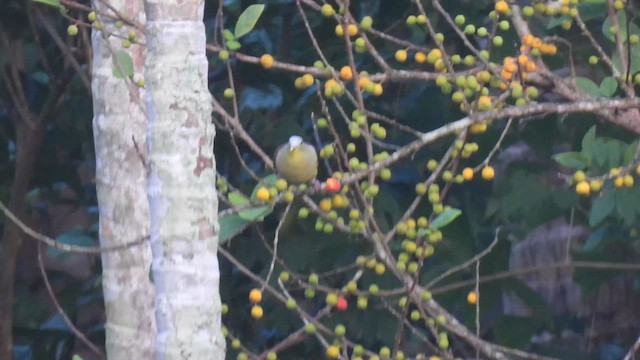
230 226
257 213
54 3
622 24
233 45
557 21
446 217
601 208
600 151
237 198
635 64
122 64
588 86
248 20
594 239
629 153
614 152
572 159
592 10
608 86
587 142
625 206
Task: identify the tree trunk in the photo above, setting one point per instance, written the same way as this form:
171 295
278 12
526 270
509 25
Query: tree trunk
181 185
119 126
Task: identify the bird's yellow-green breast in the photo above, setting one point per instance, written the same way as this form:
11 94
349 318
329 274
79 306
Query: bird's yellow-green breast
297 164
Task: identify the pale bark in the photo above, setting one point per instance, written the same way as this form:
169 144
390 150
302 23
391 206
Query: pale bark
120 133
181 185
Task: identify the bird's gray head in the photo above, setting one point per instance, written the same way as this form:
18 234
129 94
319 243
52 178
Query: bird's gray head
294 142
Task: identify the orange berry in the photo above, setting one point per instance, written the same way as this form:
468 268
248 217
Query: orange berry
488 173
346 73
352 29
362 82
333 352
420 57
262 194
530 67
505 75
502 7
528 39
255 296
467 174
472 297
266 61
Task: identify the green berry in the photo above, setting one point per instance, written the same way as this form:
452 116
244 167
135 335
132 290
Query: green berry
72 30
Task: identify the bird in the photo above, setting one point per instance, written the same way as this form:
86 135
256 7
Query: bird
297 161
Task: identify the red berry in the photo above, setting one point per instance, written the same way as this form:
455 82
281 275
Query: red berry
342 304
332 185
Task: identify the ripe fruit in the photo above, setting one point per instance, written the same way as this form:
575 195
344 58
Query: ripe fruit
266 61
333 352
346 73
583 188
352 29
467 173
255 296
262 194
327 10
472 297
256 311
502 7
488 173
332 185
401 55
342 304
420 57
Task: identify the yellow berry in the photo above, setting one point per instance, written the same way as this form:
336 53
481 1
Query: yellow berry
325 204
628 180
618 182
579 176
472 297
307 80
266 61
583 188
488 173
401 55
333 352
255 295
420 57
379 268
595 184
327 10
467 173
352 29
256 311
339 30
262 194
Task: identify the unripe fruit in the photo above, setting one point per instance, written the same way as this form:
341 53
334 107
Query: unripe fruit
309 293
310 328
366 22
235 344
223 55
284 276
459 20
224 309
363 302
374 289
385 351
340 330
228 93
272 355
291 303
72 30
331 299
91 16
